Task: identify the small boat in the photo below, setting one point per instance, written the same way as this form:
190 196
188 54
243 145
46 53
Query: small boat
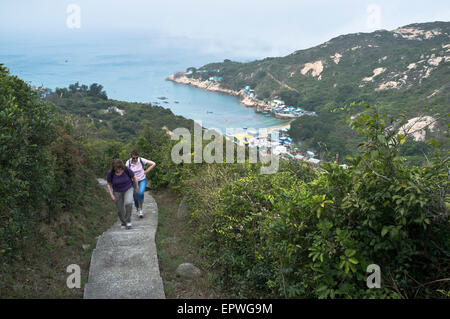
285 115
208 112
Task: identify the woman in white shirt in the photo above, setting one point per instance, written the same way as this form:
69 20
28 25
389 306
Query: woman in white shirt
136 164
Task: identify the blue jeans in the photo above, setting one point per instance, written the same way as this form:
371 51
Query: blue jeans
139 197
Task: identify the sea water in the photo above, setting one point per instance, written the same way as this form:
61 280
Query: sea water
132 69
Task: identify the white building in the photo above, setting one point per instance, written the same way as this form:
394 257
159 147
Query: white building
313 161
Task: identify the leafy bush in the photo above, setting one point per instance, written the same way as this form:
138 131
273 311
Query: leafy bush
27 127
72 175
43 167
312 233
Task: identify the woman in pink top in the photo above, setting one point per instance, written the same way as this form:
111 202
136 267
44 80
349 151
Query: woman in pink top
136 164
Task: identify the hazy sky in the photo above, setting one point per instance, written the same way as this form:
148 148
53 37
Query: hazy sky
255 28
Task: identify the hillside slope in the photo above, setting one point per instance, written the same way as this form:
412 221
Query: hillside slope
403 71
377 67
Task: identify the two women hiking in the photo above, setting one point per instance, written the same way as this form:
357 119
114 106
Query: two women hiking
122 179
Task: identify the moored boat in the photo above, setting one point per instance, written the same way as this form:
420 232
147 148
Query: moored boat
285 115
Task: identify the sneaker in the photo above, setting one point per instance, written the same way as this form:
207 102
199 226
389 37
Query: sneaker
122 226
140 214
129 226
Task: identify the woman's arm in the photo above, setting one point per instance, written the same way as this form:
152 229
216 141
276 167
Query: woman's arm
152 165
110 191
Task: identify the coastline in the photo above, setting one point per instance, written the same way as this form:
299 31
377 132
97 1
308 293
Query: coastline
278 127
180 78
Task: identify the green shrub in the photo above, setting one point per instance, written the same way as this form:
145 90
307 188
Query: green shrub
303 233
72 174
43 167
27 127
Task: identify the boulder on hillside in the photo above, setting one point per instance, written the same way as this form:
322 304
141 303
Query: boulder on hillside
188 270
183 210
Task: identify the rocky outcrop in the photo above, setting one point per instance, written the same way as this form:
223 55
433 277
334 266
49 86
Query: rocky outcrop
376 72
417 127
412 33
316 68
205 85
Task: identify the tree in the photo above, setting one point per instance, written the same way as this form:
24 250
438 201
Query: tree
96 89
73 88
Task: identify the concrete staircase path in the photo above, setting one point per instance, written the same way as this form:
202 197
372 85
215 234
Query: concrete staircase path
124 264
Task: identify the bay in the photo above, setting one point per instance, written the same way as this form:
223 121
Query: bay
132 69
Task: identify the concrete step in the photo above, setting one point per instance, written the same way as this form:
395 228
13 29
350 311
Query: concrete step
134 256
119 274
133 237
144 288
123 263
135 227
148 219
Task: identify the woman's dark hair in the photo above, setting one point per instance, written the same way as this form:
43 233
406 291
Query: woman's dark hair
115 164
134 153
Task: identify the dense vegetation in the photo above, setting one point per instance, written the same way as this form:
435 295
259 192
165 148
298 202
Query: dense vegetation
95 90
44 168
109 128
311 233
